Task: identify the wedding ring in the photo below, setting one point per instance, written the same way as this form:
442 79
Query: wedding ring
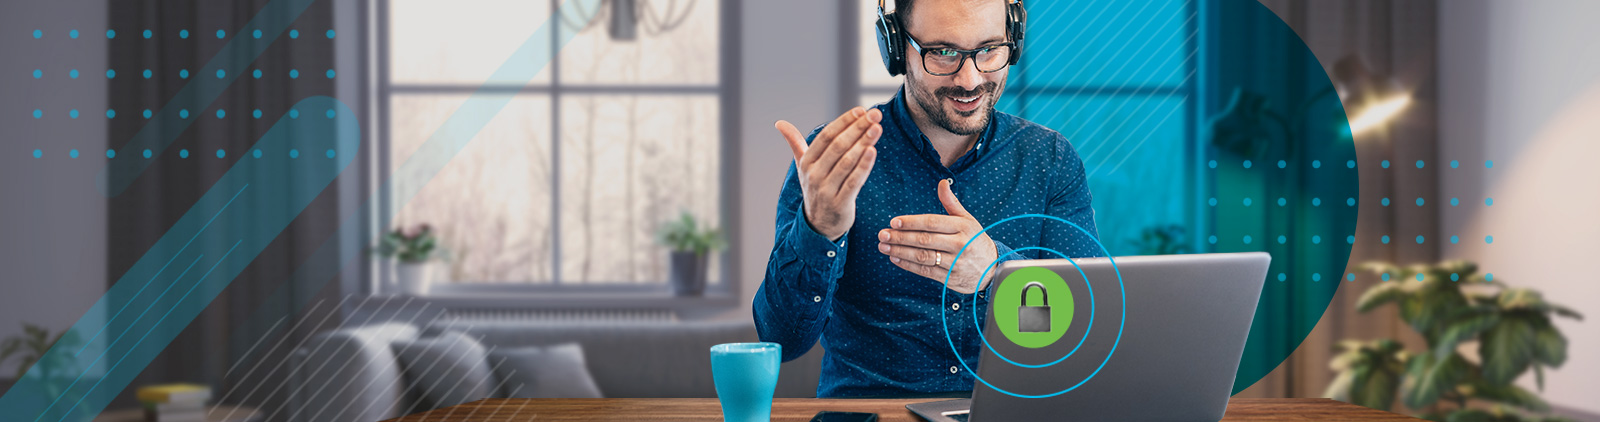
937 258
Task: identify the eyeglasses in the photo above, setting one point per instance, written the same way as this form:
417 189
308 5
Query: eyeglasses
943 61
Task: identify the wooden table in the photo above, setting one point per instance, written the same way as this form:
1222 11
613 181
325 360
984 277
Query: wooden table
801 410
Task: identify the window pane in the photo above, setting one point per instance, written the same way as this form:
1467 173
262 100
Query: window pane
628 164
490 204
1140 43
1133 149
459 41
684 54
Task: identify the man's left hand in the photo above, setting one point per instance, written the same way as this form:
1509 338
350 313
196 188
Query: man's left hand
926 244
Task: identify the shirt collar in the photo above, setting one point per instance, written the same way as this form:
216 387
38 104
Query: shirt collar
906 126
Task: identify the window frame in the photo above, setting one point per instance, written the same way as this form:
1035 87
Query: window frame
559 294
1198 217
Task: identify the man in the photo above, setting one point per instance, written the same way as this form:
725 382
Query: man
879 202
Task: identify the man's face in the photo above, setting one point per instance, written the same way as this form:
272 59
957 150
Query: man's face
961 103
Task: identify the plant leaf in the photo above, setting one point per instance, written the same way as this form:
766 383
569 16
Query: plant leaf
1550 347
1375 388
1431 377
1463 329
1470 415
1511 395
1507 349
1380 294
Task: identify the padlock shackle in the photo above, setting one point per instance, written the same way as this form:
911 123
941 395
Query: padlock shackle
1042 291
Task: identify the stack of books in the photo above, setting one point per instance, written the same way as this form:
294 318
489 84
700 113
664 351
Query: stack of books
174 402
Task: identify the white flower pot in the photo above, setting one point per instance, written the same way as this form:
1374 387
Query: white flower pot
413 278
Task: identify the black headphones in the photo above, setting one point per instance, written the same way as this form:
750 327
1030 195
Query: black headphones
892 36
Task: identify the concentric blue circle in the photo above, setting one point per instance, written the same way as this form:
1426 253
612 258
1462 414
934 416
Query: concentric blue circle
944 292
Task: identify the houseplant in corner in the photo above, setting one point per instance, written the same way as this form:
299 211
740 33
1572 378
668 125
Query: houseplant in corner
690 246
411 250
53 371
1452 306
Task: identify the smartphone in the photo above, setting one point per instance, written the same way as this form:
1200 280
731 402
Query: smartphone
827 416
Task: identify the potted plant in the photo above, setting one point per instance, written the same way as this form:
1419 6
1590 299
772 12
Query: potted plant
411 251
690 247
53 371
1452 307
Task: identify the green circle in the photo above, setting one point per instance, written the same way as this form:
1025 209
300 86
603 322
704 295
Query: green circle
1008 301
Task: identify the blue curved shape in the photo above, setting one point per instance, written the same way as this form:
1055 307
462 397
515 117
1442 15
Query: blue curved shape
234 221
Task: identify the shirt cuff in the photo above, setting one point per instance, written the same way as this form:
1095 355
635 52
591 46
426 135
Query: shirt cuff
816 251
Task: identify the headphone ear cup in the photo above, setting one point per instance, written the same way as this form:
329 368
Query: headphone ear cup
1018 22
890 49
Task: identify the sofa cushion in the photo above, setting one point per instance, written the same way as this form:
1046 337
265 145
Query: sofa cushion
448 369
544 372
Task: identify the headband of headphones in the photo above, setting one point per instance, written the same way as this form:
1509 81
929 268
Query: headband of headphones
892 36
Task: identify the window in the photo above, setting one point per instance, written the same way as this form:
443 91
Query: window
1118 80
568 183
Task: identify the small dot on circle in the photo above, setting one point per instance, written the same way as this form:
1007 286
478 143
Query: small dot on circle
37 34
183 73
294 114
72 73
1350 201
1212 202
110 73
147 74
256 113
111 114
1419 277
1316 202
1488 276
1350 276
148 34
1350 240
37 73
330 113
147 113
1455 201
1455 277
294 73
330 73
256 73
221 73
1385 277
183 113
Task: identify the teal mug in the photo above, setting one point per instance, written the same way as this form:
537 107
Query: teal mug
746 375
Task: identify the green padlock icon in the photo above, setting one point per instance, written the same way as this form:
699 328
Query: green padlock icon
1034 319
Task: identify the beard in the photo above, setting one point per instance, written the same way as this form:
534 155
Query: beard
954 121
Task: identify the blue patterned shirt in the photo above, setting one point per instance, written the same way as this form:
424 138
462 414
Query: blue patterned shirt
879 323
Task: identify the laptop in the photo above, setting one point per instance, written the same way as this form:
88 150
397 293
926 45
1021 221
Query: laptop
1187 317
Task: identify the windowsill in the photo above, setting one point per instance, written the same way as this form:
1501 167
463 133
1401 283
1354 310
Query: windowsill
589 300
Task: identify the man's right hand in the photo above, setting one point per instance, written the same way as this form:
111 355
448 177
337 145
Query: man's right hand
834 167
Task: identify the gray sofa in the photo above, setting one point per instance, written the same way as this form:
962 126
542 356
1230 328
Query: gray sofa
637 360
